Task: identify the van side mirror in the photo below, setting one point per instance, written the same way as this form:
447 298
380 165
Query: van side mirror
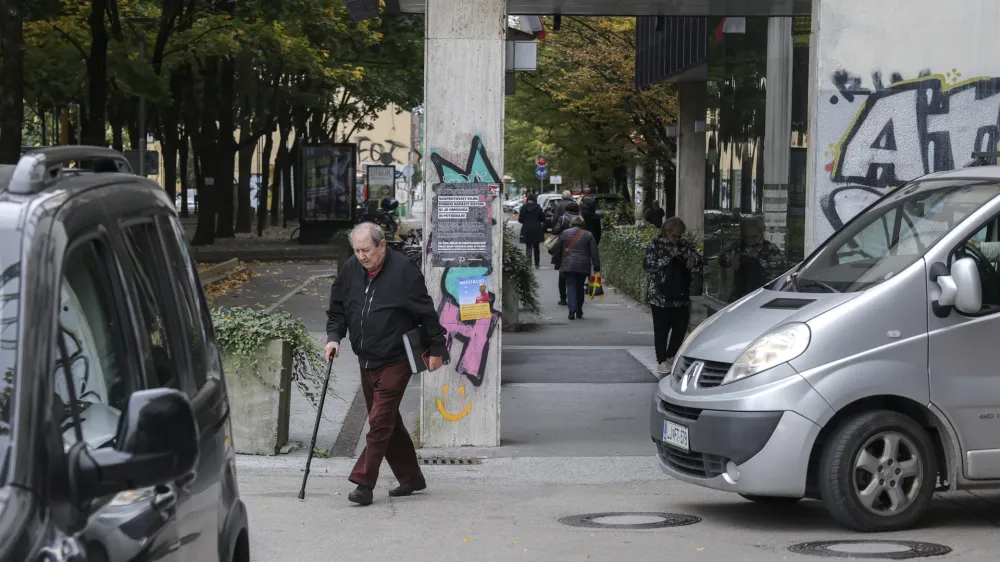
969 297
157 442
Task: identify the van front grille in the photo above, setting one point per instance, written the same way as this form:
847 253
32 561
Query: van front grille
712 373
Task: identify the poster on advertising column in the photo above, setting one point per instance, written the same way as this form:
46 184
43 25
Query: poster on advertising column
462 221
381 182
474 298
327 190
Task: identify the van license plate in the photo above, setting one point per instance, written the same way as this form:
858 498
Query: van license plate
676 435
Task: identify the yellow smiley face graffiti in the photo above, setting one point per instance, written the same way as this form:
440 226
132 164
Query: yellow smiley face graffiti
448 415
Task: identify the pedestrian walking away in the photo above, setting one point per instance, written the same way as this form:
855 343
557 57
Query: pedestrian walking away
532 219
561 208
577 249
379 295
670 262
655 215
563 223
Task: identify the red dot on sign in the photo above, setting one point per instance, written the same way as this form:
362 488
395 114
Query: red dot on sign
829 167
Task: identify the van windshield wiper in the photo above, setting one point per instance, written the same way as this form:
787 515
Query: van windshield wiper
797 287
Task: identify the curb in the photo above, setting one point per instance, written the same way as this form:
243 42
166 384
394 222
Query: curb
221 276
218 269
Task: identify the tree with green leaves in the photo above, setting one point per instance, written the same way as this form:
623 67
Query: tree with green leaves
581 106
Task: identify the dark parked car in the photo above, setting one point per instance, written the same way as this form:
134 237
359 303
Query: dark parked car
115 434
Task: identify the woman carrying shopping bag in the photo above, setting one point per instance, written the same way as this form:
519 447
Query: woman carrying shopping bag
577 251
671 264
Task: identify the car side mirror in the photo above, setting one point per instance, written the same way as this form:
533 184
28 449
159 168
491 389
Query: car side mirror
157 442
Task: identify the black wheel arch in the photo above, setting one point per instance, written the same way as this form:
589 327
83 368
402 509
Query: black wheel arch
940 432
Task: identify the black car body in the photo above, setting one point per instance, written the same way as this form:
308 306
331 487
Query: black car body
115 434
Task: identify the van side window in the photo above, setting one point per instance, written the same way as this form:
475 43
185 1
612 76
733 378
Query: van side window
145 256
183 271
90 328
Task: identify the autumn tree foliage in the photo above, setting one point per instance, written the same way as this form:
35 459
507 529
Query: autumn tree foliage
582 109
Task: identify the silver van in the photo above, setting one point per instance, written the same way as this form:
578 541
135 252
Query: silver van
868 376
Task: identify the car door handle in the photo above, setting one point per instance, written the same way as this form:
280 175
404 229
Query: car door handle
164 499
186 480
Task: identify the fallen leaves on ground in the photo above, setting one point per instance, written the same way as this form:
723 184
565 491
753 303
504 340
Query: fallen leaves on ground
229 284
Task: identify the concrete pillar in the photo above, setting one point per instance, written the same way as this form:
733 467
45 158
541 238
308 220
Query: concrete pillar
464 109
777 128
691 151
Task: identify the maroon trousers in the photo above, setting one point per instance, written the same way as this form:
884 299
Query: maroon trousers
387 437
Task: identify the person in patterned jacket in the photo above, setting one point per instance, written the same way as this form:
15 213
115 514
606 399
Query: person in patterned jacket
755 261
669 262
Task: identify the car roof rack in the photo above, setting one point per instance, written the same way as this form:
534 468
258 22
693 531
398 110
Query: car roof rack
983 159
42 167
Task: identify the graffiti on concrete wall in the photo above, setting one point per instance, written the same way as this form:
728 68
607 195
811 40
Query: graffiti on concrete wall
384 152
876 139
469 341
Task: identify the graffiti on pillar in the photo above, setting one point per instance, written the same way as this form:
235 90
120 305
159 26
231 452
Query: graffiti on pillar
879 138
478 168
469 341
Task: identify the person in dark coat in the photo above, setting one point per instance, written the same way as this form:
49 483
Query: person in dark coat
379 295
588 210
655 214
532 220
669 261
561 207
564 223
577 249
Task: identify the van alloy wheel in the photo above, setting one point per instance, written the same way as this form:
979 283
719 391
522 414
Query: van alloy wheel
857 483
888 473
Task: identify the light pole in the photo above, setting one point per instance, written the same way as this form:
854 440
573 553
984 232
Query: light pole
132 23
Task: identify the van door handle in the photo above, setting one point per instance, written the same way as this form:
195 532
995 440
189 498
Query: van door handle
164 499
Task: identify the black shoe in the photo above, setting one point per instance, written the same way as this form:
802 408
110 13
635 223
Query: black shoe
572 315
579 314
361 496
407 489
562 302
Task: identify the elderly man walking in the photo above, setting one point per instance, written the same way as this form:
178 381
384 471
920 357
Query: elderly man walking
379 295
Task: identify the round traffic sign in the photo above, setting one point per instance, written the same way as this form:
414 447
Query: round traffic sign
541 172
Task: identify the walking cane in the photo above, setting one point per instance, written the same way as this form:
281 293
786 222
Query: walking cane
319 416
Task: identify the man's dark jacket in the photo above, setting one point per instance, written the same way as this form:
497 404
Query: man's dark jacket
378 311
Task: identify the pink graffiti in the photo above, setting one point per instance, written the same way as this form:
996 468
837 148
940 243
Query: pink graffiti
474 336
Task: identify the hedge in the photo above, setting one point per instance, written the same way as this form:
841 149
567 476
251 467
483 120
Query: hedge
622 249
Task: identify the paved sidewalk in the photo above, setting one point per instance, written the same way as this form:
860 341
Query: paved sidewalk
509 509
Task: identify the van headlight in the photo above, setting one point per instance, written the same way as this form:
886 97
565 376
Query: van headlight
772 349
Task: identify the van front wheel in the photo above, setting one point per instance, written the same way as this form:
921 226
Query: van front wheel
877 472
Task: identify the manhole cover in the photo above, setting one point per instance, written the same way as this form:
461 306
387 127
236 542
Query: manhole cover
627 520
871 549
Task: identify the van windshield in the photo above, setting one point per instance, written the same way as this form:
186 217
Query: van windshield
891 235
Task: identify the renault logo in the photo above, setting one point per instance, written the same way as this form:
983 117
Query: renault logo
691 375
